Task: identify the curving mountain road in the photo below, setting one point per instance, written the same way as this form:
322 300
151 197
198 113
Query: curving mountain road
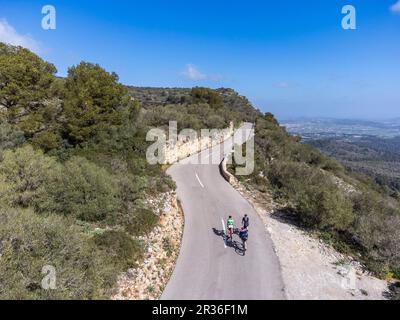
207 268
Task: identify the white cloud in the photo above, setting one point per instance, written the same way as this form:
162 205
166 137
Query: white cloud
396 7
193 73
282 85
9 35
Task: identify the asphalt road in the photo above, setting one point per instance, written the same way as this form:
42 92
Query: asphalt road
208 267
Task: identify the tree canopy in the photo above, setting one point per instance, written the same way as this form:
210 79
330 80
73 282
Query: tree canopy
94 101
25 82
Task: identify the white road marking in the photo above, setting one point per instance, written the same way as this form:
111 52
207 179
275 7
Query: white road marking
198 179
223 227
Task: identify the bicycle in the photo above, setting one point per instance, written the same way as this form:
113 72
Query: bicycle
244 244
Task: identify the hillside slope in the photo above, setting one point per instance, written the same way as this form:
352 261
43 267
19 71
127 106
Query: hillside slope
349 210
376 157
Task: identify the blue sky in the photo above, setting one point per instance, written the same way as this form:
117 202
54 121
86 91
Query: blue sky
291 57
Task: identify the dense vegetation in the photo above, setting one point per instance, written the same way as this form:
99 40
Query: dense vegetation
196 108
373 156
349 210
73 178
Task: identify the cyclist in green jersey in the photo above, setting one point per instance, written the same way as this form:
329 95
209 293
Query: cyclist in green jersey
230 225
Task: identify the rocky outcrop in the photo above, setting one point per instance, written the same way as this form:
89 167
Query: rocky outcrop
147 281
343 185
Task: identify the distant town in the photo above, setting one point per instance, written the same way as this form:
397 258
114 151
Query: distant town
322 128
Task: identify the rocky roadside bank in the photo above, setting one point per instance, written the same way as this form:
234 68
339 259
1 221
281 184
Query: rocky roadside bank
162 245
311 269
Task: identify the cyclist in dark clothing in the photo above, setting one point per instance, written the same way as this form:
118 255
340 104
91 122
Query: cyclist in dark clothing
244 236
245 221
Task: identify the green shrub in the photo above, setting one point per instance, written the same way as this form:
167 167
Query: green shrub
121 248
29 242
25 172
81 189
335 241
319 202
141 222
46 140
332 166
396 272
379 234
10 137
207 95
78 188
325 208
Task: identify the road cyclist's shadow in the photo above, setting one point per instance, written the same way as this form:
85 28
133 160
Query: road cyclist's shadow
237 246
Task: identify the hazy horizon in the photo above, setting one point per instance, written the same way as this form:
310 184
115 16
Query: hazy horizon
305 118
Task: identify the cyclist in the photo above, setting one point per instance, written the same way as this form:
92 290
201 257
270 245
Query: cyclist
244 235
230 225
245 221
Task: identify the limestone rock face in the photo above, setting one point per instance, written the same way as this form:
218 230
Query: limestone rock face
147 281
185 146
